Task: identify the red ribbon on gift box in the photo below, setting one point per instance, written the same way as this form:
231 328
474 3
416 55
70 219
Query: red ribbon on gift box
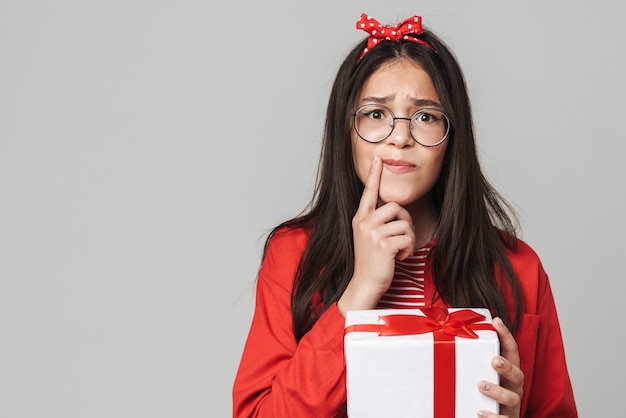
445 327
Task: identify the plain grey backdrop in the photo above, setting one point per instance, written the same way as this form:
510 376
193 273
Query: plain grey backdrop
146 147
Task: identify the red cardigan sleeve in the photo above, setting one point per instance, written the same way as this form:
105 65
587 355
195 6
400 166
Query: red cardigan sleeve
276 377
551 393
547 387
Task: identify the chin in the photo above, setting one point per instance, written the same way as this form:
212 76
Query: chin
403 199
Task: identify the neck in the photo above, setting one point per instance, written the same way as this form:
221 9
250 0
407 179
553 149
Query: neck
425 219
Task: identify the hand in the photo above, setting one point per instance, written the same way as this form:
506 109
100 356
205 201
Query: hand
509 392
381 235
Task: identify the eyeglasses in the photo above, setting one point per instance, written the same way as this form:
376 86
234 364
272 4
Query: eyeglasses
374 123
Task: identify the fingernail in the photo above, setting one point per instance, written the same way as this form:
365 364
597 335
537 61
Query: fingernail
500 363
485 385
374 159
481 414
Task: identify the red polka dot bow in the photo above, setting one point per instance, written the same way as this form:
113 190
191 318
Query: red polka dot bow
401 31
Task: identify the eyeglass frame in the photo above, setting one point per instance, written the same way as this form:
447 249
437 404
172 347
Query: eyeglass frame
409 119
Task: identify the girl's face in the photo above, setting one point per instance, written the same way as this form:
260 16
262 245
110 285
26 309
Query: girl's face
410 170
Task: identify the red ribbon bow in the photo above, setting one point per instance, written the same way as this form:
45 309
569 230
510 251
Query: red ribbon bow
400 31
461 323
445 327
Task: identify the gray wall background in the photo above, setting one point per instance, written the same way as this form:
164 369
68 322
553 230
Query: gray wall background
147 146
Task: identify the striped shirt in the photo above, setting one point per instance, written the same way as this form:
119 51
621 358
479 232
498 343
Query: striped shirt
407 288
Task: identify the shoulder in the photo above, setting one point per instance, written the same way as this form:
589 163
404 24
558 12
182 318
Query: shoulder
282 256
287 241
522 256
530 273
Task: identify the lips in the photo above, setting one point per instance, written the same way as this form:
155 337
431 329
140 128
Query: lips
398 166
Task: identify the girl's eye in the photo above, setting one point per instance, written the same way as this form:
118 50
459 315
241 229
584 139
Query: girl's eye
425 117
375 114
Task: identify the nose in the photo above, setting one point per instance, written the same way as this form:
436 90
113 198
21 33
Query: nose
401 133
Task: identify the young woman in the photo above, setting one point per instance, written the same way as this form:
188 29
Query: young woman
402 217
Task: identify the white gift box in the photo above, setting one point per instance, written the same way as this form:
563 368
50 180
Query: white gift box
393 375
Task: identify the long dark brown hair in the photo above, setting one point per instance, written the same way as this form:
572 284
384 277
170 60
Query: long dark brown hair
475 224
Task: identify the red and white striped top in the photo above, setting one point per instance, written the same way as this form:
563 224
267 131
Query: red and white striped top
407 288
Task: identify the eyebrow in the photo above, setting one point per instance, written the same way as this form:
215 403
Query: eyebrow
379 100
426 103
416 102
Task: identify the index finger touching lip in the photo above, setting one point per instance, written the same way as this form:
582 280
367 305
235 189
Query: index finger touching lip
369 199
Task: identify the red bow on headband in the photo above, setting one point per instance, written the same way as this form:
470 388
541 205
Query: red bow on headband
398 32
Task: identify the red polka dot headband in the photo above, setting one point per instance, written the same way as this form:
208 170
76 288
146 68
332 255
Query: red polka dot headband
401 31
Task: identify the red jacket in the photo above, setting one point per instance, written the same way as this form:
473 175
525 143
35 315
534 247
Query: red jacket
278 378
